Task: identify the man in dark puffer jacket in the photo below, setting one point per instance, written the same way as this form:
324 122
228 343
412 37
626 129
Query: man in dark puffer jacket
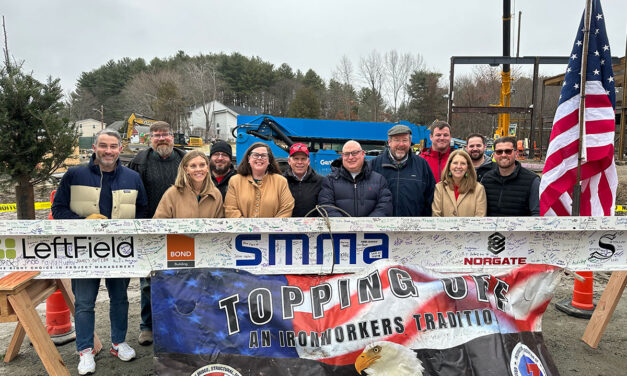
353 187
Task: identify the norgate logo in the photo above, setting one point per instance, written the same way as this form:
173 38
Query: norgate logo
84 247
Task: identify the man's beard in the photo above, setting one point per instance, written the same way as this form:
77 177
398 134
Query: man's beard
478 157
395 153
220 170
164 150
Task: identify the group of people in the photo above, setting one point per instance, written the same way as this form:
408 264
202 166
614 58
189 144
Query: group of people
165 182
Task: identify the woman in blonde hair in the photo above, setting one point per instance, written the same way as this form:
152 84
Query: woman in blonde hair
458 194
193 194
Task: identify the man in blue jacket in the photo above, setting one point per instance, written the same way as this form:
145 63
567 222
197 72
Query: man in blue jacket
104 189
409 176
353 187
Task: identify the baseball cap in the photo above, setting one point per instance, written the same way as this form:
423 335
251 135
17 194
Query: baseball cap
399 129
299 147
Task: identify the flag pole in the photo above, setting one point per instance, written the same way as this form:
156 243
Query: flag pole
582 107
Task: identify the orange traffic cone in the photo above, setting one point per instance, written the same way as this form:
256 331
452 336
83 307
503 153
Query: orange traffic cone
58 322
51 198
581 304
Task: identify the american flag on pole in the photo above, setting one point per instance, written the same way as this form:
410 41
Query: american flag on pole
598 172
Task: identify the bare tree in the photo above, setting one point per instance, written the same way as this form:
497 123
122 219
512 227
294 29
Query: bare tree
158 95
398 69
343 74
372 73
202 84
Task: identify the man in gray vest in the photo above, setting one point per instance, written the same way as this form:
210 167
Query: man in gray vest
511 190
157 166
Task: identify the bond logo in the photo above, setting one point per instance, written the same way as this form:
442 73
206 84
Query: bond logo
607 249
496 243
7 250
216 370
181 251
525 362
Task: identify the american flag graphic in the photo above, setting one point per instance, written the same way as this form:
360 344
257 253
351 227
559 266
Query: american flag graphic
598 172
444 319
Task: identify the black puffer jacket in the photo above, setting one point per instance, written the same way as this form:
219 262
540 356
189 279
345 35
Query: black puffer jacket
305 192
224 184
365 196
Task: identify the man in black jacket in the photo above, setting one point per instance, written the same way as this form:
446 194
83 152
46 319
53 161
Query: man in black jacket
353 187
511 190
222 169
475 147
157 166
303 181
409 177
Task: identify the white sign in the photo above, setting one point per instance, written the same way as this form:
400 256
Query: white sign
133 248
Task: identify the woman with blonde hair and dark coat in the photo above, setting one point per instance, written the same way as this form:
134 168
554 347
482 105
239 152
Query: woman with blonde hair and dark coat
193 194
458 194
258 190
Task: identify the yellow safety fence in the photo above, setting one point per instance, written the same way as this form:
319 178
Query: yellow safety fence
13 207
46 205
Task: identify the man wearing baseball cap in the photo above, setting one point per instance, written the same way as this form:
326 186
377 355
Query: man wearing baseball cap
409 176
303 181
221 166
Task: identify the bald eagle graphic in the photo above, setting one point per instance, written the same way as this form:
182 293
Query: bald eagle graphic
388 359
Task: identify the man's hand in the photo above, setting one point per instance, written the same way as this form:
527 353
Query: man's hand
96 216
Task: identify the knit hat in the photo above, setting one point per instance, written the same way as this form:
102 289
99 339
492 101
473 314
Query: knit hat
221 147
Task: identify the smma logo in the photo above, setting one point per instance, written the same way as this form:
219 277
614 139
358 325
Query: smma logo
85 247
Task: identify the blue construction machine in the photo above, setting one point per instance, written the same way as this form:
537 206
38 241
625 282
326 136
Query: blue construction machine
324 138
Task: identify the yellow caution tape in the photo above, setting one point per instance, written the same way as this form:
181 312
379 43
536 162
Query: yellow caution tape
13 207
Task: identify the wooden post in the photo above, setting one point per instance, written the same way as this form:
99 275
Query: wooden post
605 308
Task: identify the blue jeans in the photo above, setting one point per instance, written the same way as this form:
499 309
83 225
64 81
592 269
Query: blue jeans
85 293
146 309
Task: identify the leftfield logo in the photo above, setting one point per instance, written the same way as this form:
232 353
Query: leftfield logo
7 249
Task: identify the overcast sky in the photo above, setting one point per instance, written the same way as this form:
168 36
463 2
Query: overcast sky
63 38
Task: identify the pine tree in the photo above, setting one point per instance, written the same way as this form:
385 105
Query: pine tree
36 137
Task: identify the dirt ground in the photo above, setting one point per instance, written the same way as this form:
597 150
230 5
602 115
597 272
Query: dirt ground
562 333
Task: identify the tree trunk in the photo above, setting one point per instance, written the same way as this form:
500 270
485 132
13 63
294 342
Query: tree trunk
25 198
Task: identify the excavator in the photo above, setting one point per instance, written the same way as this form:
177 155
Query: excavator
180 139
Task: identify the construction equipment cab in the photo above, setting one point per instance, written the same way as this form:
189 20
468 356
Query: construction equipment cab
324 138
137 119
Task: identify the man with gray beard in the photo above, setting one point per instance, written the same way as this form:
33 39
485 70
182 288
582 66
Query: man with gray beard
157 166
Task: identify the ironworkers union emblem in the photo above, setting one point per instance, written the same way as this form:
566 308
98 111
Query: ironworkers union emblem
496 243
525 363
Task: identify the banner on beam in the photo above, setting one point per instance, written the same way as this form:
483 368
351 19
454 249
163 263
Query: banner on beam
393 320
134 248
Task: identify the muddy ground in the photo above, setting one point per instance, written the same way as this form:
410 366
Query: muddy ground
562 333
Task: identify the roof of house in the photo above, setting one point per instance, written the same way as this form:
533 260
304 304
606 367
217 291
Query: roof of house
117 125
248 111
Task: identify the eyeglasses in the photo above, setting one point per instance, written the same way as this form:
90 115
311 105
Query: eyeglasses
506 151
161 135
219 155
353 153
259 155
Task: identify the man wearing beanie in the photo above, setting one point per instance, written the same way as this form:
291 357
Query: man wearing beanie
222 169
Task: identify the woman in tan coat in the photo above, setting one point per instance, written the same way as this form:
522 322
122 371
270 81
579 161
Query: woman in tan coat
458 194
193 194
258 190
